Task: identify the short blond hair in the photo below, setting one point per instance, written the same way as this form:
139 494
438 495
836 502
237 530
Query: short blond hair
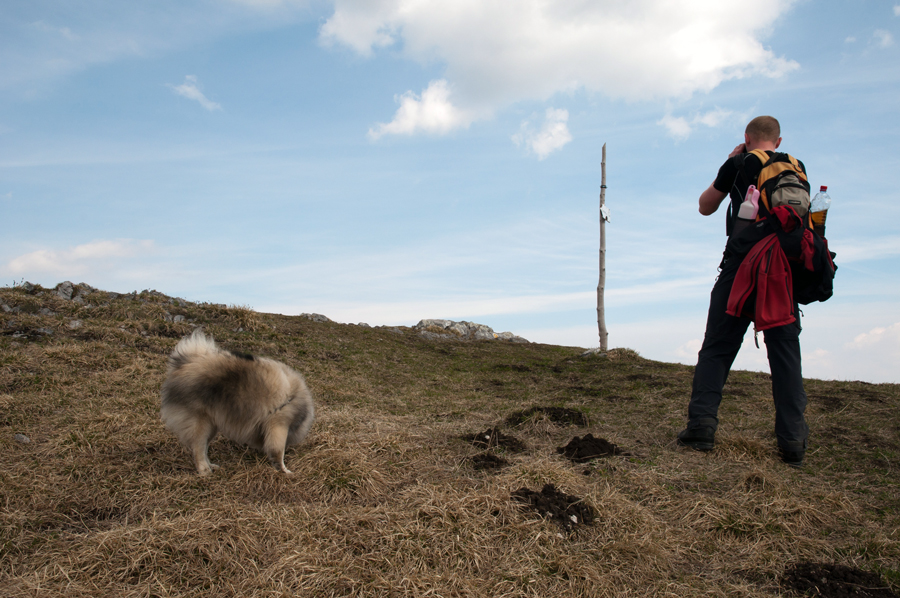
764 128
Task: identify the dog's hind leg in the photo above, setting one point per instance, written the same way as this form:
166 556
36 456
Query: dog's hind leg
203 432
274 444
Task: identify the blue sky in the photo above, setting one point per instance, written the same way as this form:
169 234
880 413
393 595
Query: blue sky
390 161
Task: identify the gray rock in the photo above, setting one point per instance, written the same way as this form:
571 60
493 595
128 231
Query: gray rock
430 323
44 311
448 329
459 329
5 307
82 289
22 438
27 287
510 337
45 331
75 324
480 332
315 317
65 290
177 319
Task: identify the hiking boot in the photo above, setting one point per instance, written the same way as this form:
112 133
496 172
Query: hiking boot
700 438
793 458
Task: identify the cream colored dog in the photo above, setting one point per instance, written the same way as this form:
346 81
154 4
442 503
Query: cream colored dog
251 400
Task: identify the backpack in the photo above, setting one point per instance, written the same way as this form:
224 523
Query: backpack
784 210
782 182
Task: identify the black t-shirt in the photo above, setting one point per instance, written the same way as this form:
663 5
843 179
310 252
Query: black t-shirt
735 177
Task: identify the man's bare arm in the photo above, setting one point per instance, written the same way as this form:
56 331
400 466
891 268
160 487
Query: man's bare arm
710 200
712 197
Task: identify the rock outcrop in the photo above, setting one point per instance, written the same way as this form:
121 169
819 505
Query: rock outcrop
82 293
450 330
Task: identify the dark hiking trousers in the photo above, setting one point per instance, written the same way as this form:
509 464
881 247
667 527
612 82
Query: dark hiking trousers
723 338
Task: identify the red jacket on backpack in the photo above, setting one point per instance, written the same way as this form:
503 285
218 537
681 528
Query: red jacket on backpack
765 274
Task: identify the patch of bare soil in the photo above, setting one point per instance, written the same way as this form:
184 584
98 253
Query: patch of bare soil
488 461
563 509
835 581
493 437
559 415
583 449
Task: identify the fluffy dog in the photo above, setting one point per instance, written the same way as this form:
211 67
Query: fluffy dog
250 400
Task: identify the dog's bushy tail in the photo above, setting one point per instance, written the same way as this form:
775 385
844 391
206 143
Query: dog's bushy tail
190 347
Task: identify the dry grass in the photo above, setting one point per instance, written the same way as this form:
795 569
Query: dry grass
384 500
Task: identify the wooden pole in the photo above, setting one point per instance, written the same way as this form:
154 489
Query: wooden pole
601 310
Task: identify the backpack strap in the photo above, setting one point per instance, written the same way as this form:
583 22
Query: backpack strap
762 155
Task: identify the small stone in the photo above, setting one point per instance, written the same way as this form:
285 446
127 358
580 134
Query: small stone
75 324
22 438
177 319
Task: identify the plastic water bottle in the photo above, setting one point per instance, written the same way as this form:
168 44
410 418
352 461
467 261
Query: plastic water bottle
818 210
750 206
748 210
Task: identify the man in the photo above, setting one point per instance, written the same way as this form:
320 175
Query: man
725 333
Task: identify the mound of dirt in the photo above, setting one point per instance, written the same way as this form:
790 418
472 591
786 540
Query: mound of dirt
488 461
559 415
563 509
581 450
835 581
493 437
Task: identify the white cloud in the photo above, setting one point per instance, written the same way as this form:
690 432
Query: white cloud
887 338
897 10
687 353
77 260
855 249
498 52
677 126
882 38
189 90
552 135
63 32
432 112
680 127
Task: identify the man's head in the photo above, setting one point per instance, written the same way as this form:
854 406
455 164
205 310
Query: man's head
763 132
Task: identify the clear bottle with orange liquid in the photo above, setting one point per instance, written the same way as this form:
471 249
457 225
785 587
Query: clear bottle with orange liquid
818 210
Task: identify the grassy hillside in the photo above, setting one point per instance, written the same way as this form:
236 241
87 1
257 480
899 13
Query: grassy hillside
389 499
